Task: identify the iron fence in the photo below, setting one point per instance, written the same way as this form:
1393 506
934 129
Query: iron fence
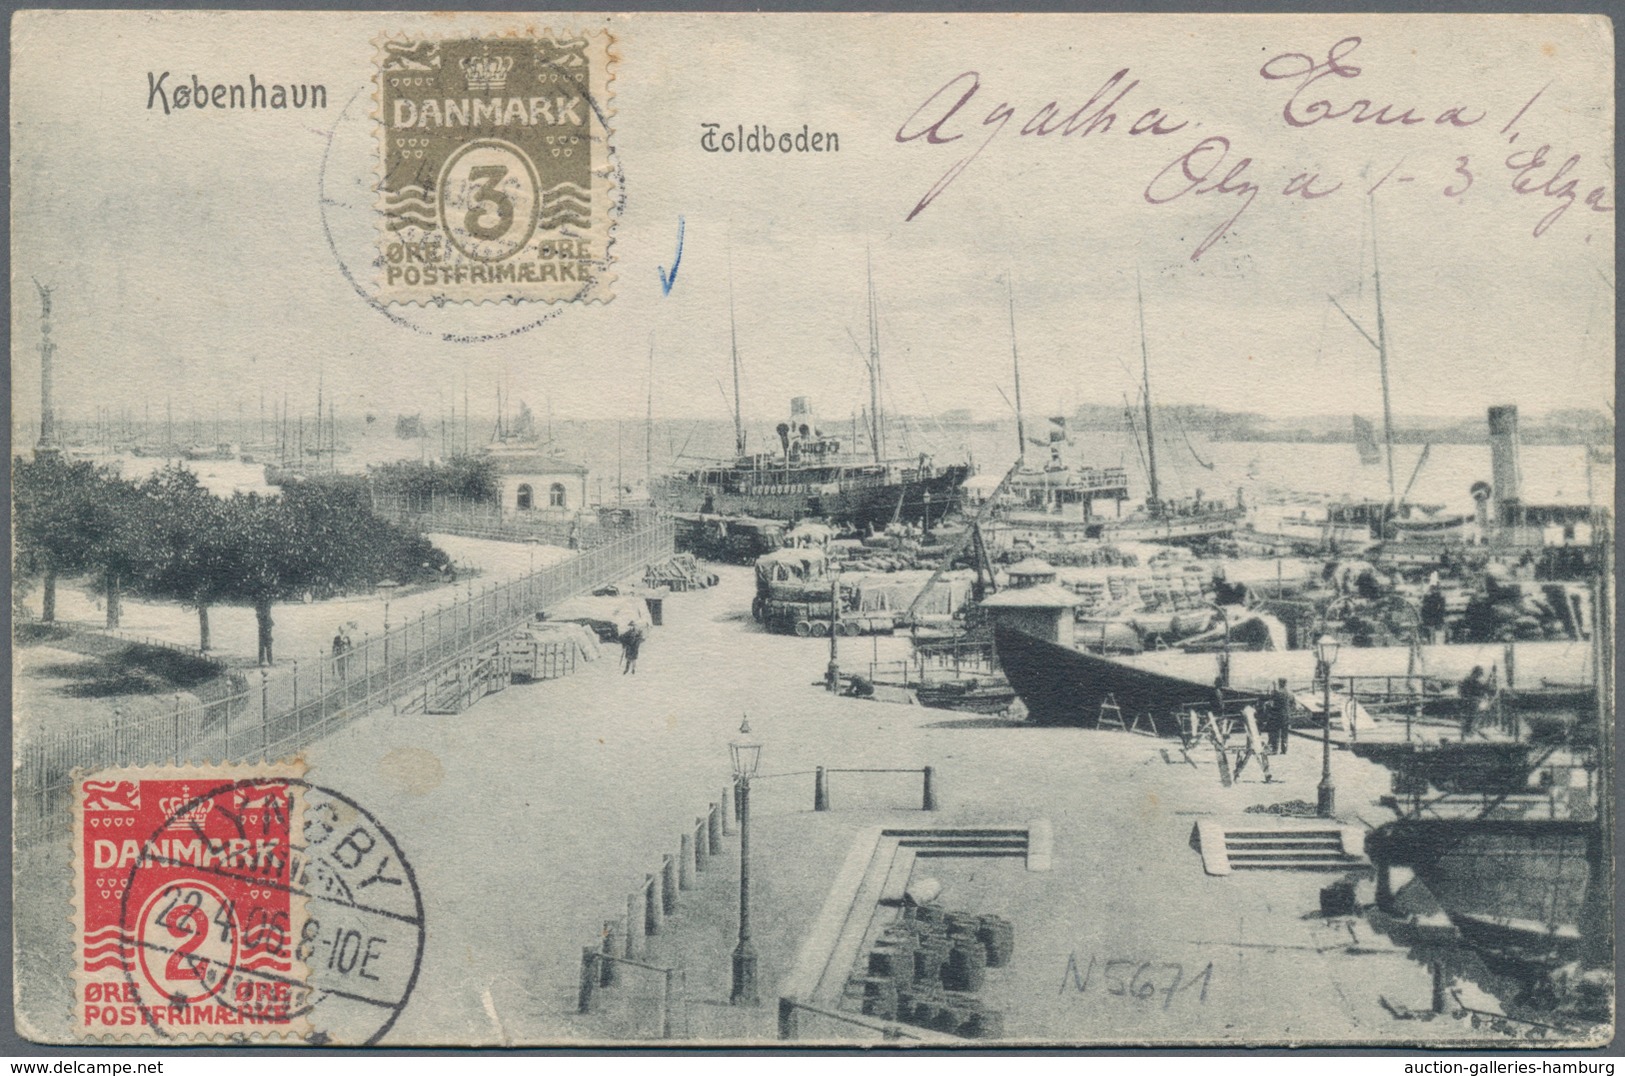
280 714
483 519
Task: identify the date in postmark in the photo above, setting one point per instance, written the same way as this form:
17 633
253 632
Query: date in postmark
495 173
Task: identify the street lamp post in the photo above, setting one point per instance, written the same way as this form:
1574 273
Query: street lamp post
746 755
1326 650
832 675
386 588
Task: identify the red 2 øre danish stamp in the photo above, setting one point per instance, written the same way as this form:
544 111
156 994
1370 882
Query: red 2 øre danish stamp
185 912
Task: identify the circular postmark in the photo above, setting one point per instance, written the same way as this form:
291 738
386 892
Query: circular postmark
272 906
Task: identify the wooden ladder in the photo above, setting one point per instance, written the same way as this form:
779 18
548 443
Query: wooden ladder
1110 712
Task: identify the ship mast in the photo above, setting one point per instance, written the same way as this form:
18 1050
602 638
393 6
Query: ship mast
1381 344
1145 374
649 427
1597 912
733 337
877 434
1382 361
318 420
47 348
1015 361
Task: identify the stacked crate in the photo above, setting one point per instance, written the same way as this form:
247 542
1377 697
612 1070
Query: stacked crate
927 968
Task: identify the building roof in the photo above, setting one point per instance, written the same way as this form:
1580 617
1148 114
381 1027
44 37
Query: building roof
523 463
1042 596
1031 566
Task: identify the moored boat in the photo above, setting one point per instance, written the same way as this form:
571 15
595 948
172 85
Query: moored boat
1063 686
1517 886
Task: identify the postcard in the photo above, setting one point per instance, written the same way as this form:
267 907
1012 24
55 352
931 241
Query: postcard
785 529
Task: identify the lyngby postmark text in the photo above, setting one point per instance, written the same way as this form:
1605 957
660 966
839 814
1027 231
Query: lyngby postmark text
495 178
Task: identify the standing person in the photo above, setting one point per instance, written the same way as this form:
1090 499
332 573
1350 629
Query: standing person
1433 613
1474 692
631 642
262 614
338 653
1281 716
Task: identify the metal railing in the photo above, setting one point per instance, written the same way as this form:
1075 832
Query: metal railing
281 714
483 519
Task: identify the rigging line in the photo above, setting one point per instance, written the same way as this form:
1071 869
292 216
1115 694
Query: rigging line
884 319
1134 430
1183 432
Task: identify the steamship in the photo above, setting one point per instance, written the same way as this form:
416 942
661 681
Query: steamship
813 476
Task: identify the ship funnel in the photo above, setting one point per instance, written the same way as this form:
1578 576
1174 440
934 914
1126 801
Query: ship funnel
802 419
1504 470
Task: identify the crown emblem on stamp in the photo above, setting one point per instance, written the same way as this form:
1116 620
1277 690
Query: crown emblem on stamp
486 73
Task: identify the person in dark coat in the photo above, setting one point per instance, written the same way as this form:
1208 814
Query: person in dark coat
631 643
1280 716
1433 614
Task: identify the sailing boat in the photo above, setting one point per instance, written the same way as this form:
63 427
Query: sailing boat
1166 519
813 474
1314 526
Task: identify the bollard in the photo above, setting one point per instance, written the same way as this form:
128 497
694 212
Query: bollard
634 926
701 856
685 862
729 818
668 884
713 829
820 789
930 802
787 1019
606 961
589 979
666 1006
654 906
1385 887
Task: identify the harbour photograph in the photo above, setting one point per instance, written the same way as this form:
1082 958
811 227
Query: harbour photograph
1145 580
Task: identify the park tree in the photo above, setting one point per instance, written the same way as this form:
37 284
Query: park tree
467 478
318 540
71 518
123 547
170 538
192 553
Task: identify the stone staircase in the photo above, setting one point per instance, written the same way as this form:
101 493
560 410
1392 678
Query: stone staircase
1311 847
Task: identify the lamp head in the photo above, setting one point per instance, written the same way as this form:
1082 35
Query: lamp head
746 753
1326 648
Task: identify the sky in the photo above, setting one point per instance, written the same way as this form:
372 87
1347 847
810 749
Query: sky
204 259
